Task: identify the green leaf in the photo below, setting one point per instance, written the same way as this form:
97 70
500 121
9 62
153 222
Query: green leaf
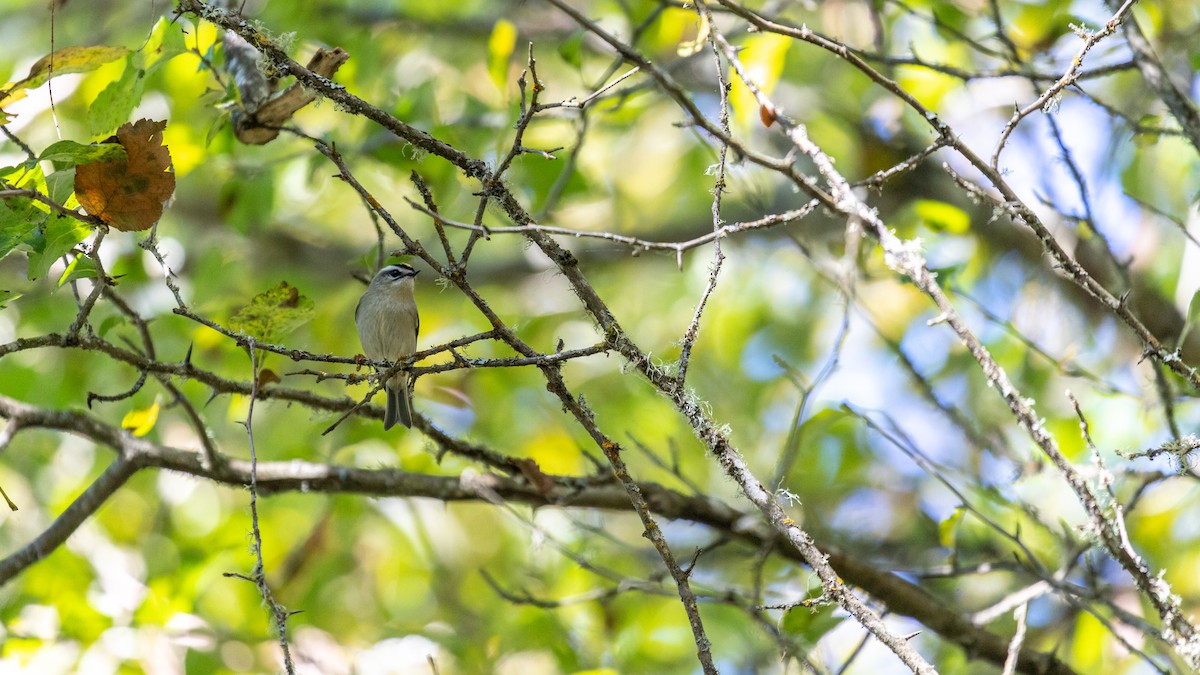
56 239
219 122
810 623
114 105
1193 312
60 185
273 314
951 20
61 62
111 321
82 267
19 218
942 217
1035 26
27 176
165 41
571 50
1193 317
66 154
7 297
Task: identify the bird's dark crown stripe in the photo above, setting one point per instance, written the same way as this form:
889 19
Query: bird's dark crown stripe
402 267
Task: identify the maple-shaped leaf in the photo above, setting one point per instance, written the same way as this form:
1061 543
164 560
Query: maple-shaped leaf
129 194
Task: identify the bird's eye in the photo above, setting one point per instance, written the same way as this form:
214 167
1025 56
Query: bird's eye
395 274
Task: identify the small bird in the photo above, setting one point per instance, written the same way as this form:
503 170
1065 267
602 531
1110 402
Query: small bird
388 324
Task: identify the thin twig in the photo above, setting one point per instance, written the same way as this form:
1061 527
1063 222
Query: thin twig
1068 78
279 614
1014 648
718 191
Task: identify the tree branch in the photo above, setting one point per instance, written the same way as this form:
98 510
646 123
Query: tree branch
901 596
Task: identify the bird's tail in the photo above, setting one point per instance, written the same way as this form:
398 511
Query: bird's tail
399 402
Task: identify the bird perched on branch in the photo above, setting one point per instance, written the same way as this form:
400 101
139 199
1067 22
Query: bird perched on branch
388 324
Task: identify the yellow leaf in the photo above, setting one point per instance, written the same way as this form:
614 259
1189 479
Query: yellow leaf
948 528
689 47
927 86
1088 633
941 216
140 422
555 452
500 48
763 58
66 60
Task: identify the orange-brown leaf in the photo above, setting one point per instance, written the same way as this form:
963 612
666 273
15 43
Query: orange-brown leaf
537 478
767 114
267 376
129 194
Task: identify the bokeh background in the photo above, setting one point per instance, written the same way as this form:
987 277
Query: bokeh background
828 396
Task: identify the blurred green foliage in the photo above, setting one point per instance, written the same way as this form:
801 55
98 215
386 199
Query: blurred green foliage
389 580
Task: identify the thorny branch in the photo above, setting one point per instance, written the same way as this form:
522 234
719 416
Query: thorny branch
828 190
1068 78
563 491
279 614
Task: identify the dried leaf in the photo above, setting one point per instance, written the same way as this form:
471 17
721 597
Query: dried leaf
267 376
261 125
129 194
767 113
537 478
